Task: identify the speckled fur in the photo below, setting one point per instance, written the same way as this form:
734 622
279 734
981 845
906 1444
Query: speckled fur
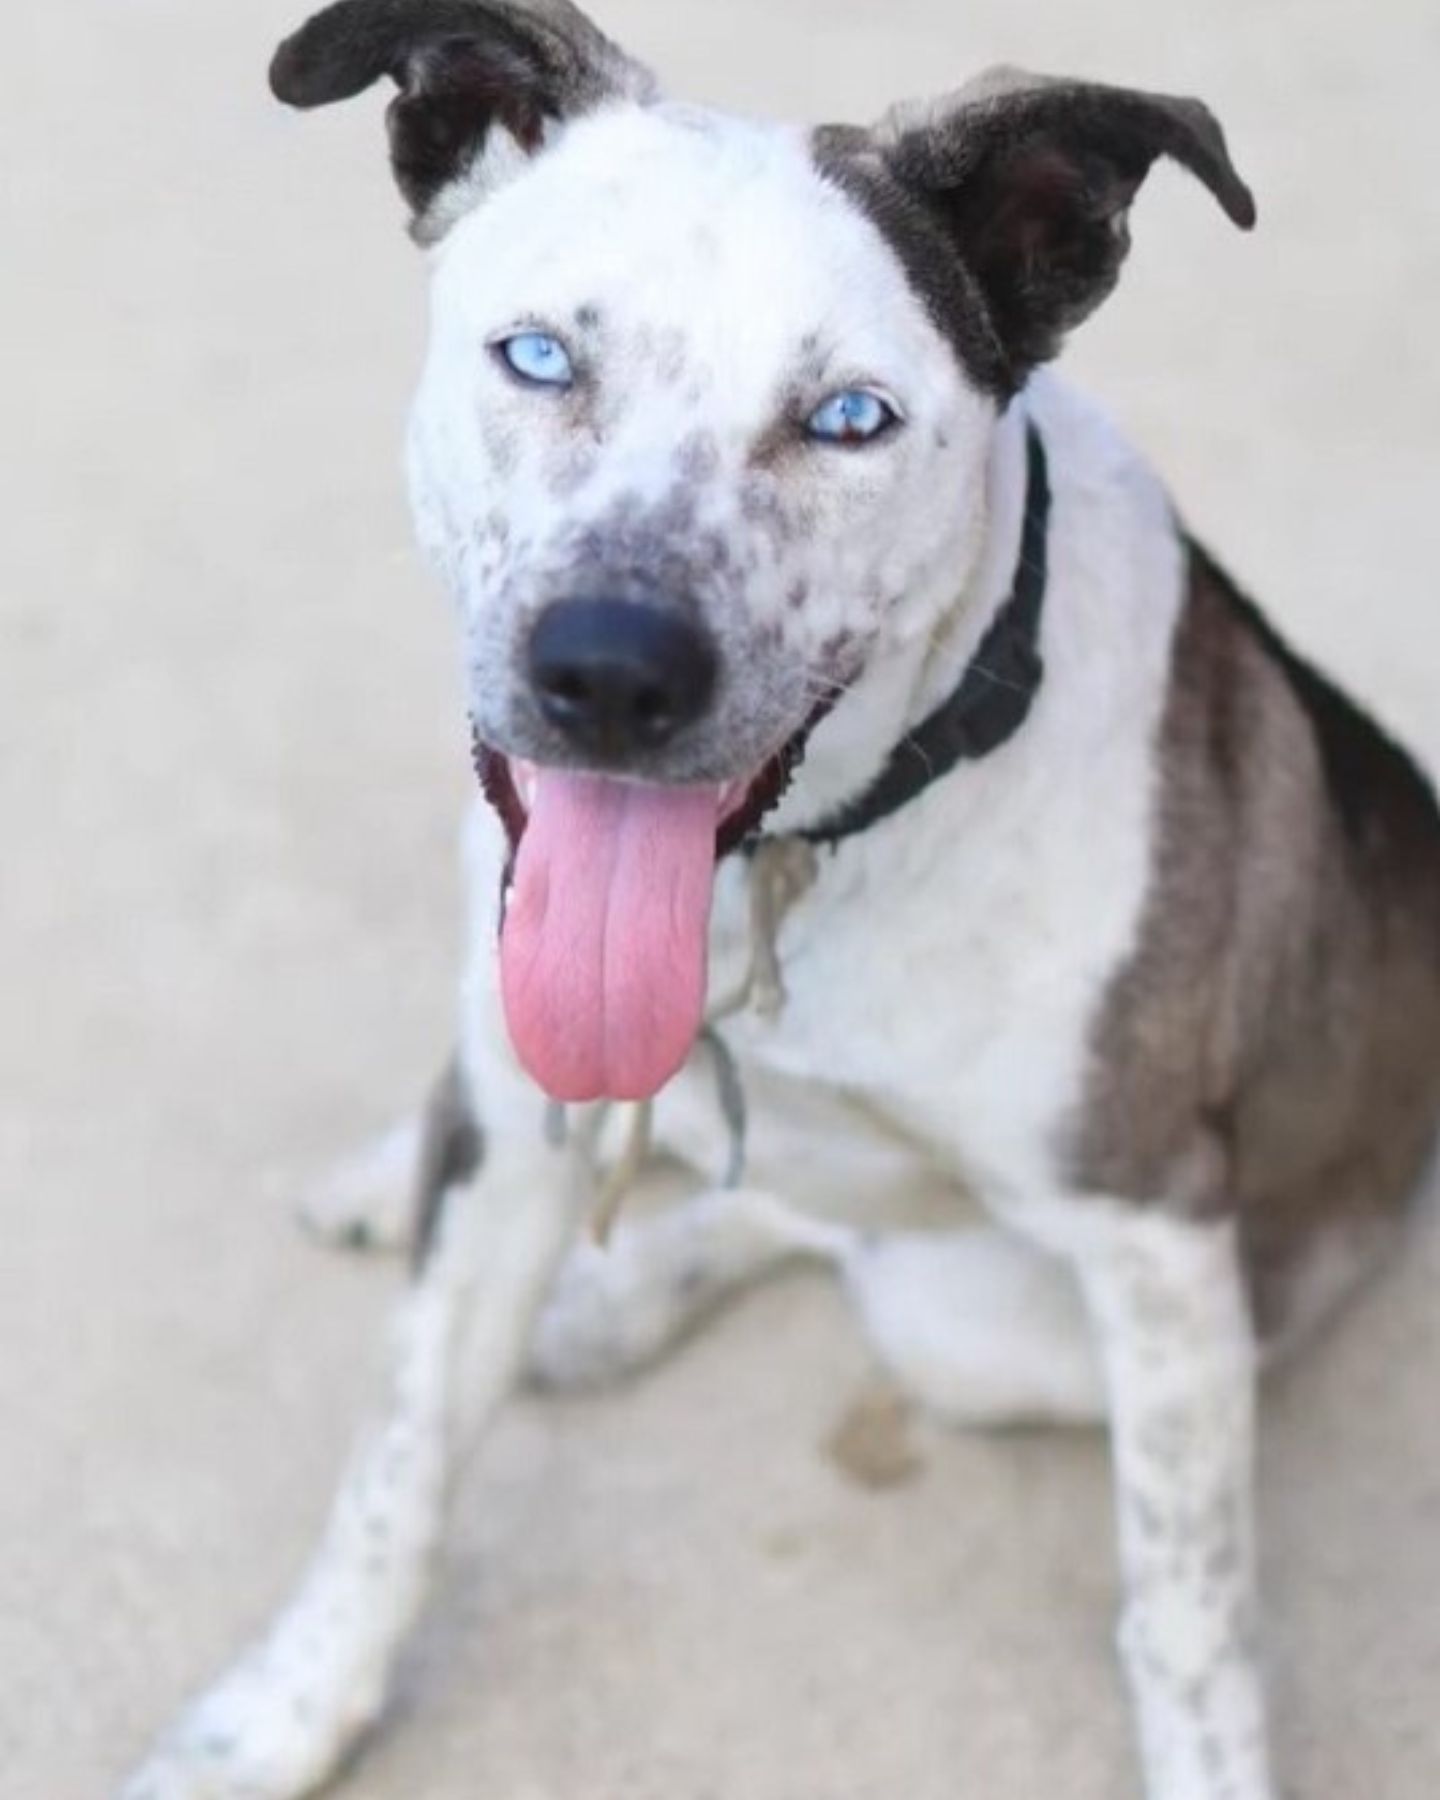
1024 981
675 471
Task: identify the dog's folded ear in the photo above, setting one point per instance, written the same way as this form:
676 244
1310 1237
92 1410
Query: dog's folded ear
481 81
1032 178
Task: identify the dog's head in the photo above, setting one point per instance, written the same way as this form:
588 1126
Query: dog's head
703 436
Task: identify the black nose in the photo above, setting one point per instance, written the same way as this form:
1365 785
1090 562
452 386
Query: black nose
616 677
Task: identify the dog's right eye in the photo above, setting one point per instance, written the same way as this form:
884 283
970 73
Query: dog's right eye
537 357
852 417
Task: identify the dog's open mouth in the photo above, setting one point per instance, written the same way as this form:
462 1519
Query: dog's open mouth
603 947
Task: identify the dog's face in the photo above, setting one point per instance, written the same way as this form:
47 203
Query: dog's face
674 367
702 437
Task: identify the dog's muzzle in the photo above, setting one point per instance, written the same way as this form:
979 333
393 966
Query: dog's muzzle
605 928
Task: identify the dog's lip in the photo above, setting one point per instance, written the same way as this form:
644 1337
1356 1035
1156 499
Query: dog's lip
509 785
525 775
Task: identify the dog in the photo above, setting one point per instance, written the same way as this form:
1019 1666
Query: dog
870 759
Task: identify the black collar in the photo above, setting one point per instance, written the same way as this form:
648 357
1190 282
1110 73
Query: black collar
994 694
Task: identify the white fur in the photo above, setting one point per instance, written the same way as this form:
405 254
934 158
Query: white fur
284 1715
733 290
1172 1319
979 1326
943 975
368 1202
615 1308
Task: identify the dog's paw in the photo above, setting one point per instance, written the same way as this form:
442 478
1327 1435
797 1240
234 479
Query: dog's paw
616 1310
187 1768
585 1336
254 1736
367 1203
176 1775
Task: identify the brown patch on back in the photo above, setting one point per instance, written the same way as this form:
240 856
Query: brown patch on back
1273 1046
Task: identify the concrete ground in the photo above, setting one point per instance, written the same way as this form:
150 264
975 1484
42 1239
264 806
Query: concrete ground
230 758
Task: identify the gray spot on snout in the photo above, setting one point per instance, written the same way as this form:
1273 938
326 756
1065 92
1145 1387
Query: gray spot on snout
646 551
576 468
673 554
662 350
698 457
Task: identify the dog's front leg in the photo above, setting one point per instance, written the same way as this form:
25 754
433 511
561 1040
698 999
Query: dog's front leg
287 1712
1168 1301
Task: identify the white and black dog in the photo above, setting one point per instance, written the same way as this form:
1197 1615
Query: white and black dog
824 655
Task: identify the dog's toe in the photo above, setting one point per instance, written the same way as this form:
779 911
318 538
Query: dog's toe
213 1772
614 1311
367 1203
259 1752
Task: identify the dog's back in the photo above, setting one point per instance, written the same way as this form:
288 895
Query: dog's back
1282 1011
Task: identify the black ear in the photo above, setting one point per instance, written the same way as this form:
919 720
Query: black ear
464 69
1032 180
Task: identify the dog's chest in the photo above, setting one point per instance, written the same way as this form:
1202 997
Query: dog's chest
950 967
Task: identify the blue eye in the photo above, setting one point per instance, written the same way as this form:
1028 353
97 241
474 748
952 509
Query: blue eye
853 416
537 357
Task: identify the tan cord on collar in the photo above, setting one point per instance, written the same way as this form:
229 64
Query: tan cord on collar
782 871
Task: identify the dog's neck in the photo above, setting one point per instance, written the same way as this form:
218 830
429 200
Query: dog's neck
903 686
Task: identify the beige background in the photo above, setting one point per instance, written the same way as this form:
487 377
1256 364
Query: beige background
231 755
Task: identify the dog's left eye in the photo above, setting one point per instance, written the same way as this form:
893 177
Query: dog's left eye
853 416
537 357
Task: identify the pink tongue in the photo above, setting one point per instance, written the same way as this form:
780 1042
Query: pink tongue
602 954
